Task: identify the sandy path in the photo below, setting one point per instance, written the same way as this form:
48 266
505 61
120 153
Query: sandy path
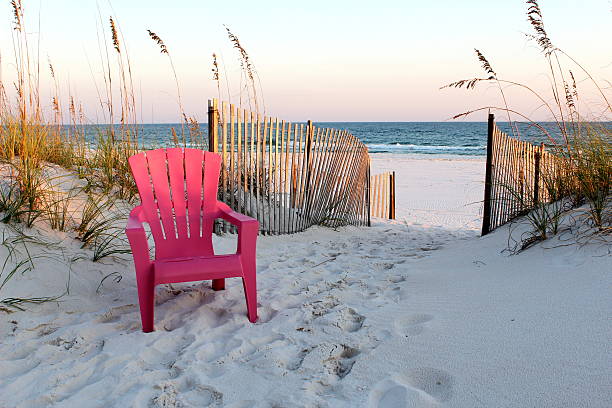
315 291
441 192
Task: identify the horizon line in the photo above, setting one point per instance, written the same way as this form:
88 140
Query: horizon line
329 121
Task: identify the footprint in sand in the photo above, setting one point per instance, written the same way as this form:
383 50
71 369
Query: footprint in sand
346 319
115 313
349 320
242 404
382 266
340 361
336 361
202 396
435 383
44 329
172 323
390 394
396 279
420 387
412 325
320 307
186 393
266 313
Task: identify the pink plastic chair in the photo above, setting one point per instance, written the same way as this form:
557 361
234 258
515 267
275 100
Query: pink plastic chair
178 193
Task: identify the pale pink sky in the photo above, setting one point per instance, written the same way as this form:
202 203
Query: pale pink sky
320 60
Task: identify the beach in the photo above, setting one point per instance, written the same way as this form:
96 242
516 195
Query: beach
417 218
414 312
441 191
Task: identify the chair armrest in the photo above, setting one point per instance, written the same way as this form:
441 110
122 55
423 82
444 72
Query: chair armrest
235 218
135 219
248 228
137 237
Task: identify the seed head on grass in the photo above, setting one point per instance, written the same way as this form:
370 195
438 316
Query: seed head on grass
215 68
17 13
247 67
175 139
114 35
580 178
164 50
471 83
534 16
55 104
71 106
51 70
571 92
159 41
245 60
485 64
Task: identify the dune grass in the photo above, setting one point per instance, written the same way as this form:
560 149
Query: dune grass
582 143
34 139
30 144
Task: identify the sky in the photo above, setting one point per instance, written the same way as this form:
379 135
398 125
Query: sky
321 60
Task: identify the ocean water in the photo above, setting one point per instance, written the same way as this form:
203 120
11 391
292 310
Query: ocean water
460 138
435 138
447 138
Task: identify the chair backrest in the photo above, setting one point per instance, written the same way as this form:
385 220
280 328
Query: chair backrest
178 191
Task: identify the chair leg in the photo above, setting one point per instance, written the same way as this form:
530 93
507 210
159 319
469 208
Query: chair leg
218 284
146 299
249 282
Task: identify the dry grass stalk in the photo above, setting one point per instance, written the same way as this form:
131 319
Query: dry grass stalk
114 35
215 71
162 46
582 145
248 69
164 50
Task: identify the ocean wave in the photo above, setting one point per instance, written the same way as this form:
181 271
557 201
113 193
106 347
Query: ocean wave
422 148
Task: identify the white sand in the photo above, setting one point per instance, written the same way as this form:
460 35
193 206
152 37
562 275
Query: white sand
440 191
402 314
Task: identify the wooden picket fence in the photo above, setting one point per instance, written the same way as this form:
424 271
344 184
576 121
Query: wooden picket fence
382 195
289 176
518 176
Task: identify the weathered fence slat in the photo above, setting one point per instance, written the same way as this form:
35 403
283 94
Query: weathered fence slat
516 177
288 176
381 195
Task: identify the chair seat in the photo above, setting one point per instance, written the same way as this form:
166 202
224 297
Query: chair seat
196 268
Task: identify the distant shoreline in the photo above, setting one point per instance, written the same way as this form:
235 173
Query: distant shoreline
452 122
430 156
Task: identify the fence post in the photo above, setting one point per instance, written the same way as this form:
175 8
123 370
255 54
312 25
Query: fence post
213 146
536 176
213 126
308 152
368 192
486 216
522 200
392 196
